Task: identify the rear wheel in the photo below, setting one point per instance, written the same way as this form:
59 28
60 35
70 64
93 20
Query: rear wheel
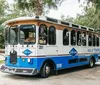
45 71
91 62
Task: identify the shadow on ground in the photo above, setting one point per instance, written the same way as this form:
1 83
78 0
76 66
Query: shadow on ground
60 72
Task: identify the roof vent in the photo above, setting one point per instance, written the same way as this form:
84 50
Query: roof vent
75 26
91 30
84 28
52 20
37 17
65 23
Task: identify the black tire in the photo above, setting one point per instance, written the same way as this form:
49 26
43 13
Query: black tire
45 71
91 63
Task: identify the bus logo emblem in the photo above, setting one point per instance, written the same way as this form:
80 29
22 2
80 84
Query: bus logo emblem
73 52
27 52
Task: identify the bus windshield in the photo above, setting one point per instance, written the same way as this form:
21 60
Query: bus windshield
11 36
27 34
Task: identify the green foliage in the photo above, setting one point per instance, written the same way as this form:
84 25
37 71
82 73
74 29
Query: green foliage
3 6
68 18
1 61
91 15
95 3
3 9
15 12
37 6
1 37
90 18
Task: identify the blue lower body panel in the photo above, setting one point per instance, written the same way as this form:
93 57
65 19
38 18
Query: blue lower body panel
61 62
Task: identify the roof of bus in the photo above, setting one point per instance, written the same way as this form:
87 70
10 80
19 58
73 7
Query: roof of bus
18 19
48 19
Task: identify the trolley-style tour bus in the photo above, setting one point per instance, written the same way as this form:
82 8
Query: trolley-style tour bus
43 45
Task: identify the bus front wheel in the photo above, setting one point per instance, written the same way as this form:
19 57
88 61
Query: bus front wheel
45 71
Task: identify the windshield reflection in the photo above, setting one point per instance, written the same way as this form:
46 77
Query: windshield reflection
27 34
11 35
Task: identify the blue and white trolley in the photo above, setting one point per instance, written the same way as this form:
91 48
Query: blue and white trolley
43 45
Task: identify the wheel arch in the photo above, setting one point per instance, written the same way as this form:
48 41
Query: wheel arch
50 62
94 58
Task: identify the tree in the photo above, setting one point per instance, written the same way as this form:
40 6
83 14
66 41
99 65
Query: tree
15 12
3 8
68 18
95 3
3 12
90 18
1 37
37 6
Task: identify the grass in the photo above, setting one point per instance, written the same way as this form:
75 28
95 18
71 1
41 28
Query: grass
1 61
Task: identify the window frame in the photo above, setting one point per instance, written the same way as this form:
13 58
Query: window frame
98 41
94 40
54 41
84 39
24 34
17 38
79 38
42 35
7 35
67 37
90 34
73 37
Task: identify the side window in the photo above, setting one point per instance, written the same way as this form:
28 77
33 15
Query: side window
52 35
43 34
90 40
13 35
79 38
73 37
65 37
84 38
94 40
7 30
97 41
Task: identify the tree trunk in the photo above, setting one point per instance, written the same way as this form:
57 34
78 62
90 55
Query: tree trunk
38 10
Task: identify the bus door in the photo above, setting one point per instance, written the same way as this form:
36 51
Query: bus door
47 40
52 50
11 43
47 50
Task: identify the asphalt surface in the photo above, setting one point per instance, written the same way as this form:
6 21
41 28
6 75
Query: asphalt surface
74 76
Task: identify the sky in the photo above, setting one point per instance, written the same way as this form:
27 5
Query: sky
67 8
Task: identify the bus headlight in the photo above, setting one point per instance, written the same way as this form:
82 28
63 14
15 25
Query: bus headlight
30 60
5 58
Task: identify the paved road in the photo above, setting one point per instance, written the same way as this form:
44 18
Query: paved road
74 76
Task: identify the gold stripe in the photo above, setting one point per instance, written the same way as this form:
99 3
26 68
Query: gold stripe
55 55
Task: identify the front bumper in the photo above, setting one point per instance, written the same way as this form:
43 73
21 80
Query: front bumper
19 71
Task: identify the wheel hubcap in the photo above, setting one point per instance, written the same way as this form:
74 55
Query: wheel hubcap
47 69
91 63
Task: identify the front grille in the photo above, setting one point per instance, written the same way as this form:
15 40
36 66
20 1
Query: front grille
24 70
13 57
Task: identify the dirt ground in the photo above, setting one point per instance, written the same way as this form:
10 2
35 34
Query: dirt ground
74 76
